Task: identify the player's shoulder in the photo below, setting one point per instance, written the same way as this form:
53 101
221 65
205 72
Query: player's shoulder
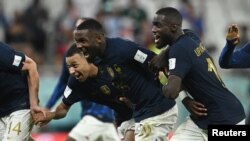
120 42
4 47
190 34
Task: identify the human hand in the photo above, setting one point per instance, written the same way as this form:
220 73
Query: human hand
41 120
159 63
233 35
126 101
38 109
196 109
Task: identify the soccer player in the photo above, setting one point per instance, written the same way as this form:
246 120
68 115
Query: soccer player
93 115
19 94
127 67
92 90
235 58
191 67
231 57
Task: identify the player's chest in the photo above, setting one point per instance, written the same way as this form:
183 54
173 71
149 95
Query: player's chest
111 81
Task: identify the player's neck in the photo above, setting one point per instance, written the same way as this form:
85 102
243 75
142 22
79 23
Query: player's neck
94 70
178 35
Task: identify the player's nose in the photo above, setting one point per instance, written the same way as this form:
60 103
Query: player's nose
78 45
71 70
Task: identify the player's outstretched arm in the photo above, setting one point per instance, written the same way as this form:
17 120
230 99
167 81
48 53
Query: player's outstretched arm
60 112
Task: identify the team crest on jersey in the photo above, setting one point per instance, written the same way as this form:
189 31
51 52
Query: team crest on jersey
117 68
172 62
111 72
105 89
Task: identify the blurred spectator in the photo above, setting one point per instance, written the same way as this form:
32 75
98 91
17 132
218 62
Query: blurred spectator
193 20
139 17
16 33
109 17
35 17
3 23
18 36
64 27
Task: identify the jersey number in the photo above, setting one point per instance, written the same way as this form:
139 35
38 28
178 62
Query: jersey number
212 68
16 128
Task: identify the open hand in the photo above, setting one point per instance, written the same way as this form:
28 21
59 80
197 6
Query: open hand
196 109
40 119
233 35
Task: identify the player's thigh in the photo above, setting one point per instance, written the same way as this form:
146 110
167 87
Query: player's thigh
157 127
2 127
126 129
18 126
90 128
189 131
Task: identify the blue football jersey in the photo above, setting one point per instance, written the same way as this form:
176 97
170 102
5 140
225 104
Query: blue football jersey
189 60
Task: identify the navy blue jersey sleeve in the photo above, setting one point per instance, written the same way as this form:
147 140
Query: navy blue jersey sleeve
10 60
71 92
235 59
60 86
179 61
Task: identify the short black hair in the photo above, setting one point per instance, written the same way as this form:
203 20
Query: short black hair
73 50
171 14
91 24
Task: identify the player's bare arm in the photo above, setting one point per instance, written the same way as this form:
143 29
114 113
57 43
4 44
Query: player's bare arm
60 112
173 87
33 82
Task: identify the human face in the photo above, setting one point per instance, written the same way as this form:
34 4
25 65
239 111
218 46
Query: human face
78 67
162 31
89 40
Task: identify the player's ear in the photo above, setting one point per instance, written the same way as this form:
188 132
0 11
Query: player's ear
174 28
100 38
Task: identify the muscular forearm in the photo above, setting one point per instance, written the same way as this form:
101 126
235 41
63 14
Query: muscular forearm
33 80
173 87
61 111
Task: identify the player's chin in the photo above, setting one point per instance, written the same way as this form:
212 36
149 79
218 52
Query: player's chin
159 45
82 79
